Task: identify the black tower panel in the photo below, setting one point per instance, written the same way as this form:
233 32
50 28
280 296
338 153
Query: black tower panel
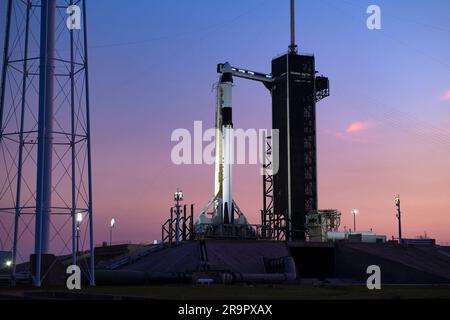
294 115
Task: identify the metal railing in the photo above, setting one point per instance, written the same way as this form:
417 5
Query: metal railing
230 231
135 256
186 222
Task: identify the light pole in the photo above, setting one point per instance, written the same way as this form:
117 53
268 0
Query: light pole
79 220
112 224
399 217
354 212
177 198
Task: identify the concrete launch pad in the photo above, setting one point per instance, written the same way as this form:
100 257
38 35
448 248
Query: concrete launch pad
261 261
234 256
345 261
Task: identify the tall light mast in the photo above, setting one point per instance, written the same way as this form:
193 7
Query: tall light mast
399 217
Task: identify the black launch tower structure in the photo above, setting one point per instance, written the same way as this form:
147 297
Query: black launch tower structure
295 91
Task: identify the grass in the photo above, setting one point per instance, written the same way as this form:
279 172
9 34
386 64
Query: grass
257 292
276 292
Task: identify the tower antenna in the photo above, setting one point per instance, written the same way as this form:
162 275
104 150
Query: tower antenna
292 46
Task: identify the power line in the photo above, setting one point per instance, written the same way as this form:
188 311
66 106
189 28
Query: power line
392 38
208 28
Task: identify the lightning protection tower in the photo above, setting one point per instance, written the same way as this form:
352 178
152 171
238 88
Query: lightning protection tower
45 146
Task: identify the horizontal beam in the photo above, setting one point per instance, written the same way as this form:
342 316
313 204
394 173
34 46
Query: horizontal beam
247 74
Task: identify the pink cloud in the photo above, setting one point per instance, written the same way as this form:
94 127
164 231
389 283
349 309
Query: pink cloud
446 96
356 126
349 137
350 133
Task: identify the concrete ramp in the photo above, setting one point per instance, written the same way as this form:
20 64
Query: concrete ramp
236 256
244 256
344 260
399 264
171 259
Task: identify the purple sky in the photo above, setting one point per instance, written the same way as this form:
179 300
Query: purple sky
383 131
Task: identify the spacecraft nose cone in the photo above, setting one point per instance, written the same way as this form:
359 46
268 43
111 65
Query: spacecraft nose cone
227 68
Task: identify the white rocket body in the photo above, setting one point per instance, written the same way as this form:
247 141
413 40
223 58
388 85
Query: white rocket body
227 195
224 208
224 144
218 145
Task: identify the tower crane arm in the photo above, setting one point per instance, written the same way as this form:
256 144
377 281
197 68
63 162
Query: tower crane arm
247 74
322 83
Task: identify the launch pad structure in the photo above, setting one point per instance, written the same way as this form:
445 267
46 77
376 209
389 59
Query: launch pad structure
290 195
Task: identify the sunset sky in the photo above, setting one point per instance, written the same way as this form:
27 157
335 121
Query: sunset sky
385 129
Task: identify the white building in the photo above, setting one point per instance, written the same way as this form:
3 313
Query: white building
360 236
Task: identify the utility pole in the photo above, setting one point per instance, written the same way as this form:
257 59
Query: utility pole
399 217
